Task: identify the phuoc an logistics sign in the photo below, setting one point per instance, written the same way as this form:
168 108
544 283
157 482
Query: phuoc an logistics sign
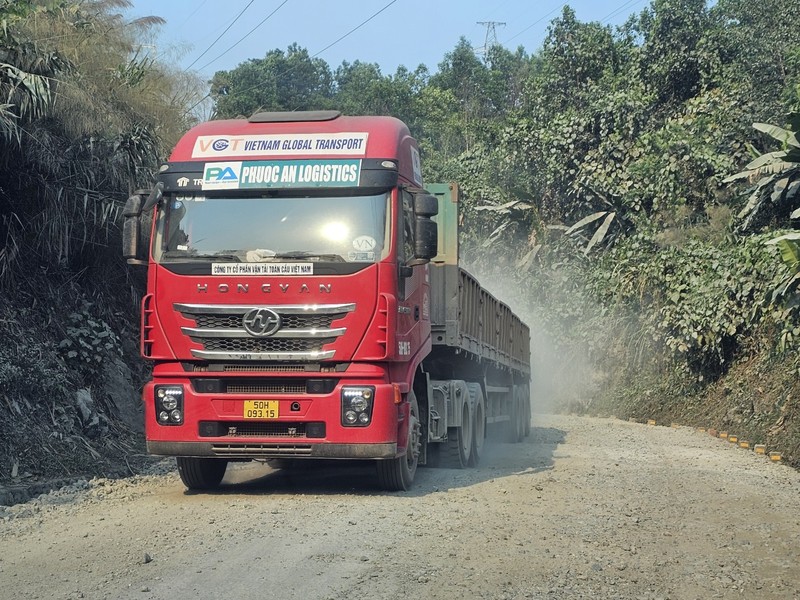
290 144
241 175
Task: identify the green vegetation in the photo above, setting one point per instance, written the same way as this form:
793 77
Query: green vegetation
614 175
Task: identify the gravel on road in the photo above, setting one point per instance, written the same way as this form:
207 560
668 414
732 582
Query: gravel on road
584 508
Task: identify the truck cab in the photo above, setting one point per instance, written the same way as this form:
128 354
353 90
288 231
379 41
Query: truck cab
289 302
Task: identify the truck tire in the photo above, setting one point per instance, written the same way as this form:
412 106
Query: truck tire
397 474
478 424
458 448
526 395
201 473
515 428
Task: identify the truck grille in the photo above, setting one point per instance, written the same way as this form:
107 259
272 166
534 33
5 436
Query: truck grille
322 321
264 429
304 331
261 345
260 450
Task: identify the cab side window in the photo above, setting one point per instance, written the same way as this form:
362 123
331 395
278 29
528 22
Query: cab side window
406 240
408 226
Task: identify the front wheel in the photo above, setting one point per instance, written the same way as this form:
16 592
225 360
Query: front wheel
458 448
397 474
201 473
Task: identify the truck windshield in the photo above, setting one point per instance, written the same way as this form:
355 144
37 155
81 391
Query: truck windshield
248 229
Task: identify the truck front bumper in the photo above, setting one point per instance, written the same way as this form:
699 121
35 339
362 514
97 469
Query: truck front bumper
218 449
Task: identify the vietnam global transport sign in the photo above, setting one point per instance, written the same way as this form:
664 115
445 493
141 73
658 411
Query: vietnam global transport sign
290 144
240 175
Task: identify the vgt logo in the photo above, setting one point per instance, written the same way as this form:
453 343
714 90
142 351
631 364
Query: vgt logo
220 145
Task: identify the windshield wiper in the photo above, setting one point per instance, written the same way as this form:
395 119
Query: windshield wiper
308 255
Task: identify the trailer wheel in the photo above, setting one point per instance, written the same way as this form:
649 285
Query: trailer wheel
515 428
201 473
458 449
478 424
520 406
397 474
526 400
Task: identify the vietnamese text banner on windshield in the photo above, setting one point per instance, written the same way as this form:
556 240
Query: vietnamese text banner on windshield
240 175
294 144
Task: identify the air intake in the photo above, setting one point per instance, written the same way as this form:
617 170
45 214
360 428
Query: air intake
296 116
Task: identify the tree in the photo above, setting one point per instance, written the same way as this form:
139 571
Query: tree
80 130
279 81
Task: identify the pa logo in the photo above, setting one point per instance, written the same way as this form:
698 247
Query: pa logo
220 174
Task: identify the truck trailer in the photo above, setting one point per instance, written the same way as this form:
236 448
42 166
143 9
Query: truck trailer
305 301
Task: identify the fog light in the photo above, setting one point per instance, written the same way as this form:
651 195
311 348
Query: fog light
169 404
357 402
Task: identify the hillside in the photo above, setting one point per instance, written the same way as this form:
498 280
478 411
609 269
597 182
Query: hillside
617 194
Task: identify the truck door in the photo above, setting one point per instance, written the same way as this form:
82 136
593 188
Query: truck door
413 319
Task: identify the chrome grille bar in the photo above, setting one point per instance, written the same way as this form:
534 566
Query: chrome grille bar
195 332
306 330
282 309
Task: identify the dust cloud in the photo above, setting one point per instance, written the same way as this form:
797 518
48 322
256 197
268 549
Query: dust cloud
564 377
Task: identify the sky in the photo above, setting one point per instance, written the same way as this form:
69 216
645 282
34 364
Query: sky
206 36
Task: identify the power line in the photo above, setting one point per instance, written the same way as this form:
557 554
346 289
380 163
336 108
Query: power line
289 70
615 12
193 13
245 36
220 35
354 29
536 22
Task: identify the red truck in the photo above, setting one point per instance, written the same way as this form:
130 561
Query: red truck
304 300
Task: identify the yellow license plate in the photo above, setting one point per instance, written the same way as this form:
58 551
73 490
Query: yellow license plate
260 409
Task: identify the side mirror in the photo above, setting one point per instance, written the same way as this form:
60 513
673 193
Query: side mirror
426 205
132 229
426 241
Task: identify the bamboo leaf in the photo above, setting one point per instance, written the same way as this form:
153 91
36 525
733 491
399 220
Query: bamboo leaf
527 260
600 234
495 234
586 221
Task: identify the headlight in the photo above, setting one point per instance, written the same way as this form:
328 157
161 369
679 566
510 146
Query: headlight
169 404
357 404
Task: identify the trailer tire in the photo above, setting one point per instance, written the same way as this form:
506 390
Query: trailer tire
397 474
201 473
458 448
515 428
478 424
526 402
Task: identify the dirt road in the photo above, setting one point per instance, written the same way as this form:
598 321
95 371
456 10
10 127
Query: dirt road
584 508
